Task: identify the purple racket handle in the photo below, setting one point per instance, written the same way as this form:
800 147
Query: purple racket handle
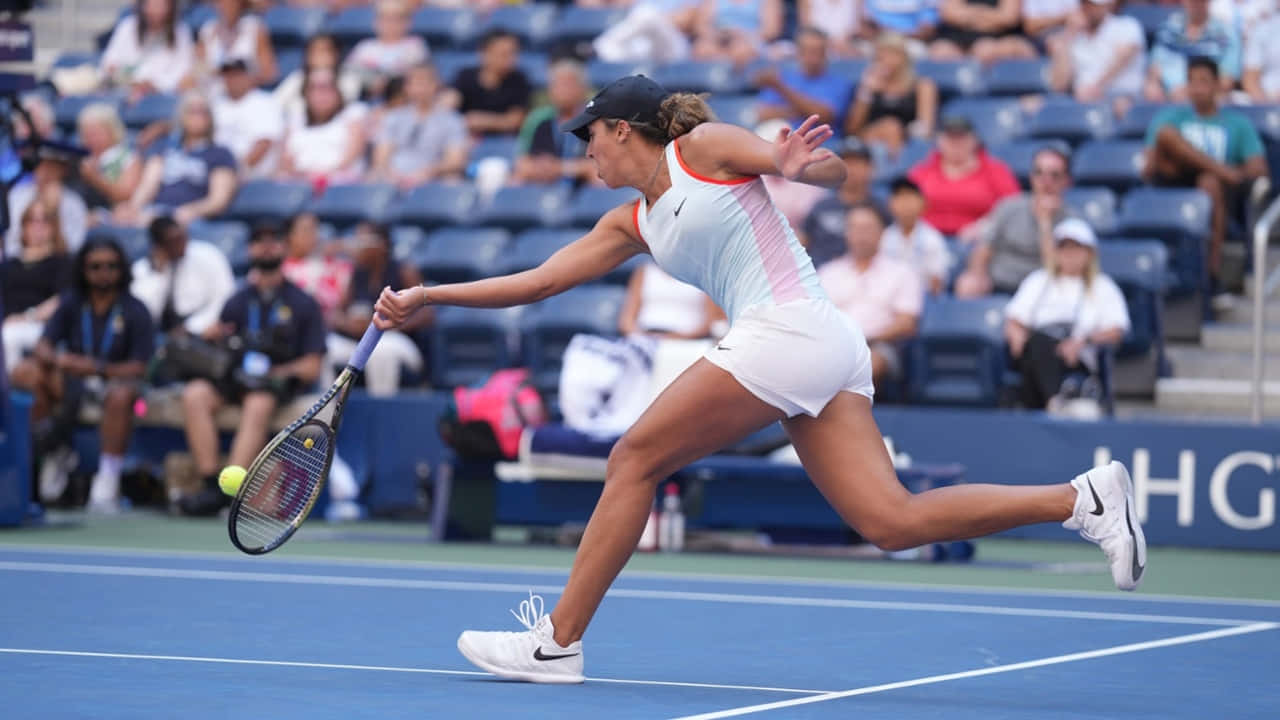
365 348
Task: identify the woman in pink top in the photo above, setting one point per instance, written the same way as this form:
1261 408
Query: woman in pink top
960 181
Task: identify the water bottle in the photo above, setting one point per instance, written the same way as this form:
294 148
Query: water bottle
671 522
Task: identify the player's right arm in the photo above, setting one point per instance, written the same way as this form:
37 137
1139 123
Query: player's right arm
611 242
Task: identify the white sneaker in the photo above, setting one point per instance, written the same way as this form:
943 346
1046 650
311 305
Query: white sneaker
530 656
55 471
104 495
1106 514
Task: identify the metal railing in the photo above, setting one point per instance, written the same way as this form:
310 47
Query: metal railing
1261 288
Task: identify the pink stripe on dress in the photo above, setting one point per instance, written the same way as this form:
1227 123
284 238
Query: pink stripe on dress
771 242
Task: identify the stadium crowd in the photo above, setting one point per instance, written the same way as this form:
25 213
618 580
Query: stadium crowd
130 264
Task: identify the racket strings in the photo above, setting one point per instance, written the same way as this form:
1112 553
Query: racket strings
282 488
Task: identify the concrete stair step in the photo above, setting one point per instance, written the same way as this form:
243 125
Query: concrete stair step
1214 396
1190 361
1242 312
1238 337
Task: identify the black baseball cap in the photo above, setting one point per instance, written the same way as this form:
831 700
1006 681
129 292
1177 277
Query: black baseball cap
233 63
904 184
634 98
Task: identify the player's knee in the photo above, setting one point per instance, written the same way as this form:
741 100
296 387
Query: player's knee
629 463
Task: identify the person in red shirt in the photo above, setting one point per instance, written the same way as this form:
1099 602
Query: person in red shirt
960 181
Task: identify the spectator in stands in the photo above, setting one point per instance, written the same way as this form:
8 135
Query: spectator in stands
812 88
893 103
1061 314
493 96
194 178
660 305
150 50
48 183
882 294
319 268
112 171
31 281
324 144
1100 56
423 141
247 121
391 52
375 269
1042 19
960 180
823 230
653 30
986 30
321 52
284 333
235 34
183 283
1017 237
1262 62
544 154
736 30
916 20
95 348
1185 35
1215 149
914 241
840 20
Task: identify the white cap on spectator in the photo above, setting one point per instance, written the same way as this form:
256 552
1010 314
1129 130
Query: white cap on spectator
1077 231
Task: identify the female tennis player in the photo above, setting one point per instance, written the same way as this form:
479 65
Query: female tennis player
789 355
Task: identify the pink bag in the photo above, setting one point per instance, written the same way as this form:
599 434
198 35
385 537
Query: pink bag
488 417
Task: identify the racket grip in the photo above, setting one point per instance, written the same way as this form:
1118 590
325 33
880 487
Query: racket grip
365 348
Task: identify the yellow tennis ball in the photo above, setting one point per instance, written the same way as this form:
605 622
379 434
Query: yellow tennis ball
230 478
308 443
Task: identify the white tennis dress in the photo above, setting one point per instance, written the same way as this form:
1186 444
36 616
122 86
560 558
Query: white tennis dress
788 344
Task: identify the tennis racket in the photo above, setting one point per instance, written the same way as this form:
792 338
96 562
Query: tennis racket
284 481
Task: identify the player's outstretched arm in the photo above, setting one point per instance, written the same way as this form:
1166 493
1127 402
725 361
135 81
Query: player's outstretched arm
610 243
719 149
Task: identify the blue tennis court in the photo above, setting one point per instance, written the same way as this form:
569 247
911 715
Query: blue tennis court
118 634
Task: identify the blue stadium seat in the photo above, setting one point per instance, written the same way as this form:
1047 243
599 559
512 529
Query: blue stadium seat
1018 155
199 14
133 240
407 241
1116 164
1096 204
1139 268
581 24
1266 118
531 248
156 107
346 205
75 58
1134 124
259 200
912 153
499 146
1180 219
351 25
520 207
461 254
1071 122
548 327
535 67
1150 15
534 23
601 73
702 76
288 61
954 78
437 204
737 109
290 26
849 68
469 343
67 109
996 120
450 62
958 358
1017 77
444 27
593 201
621 275
229 236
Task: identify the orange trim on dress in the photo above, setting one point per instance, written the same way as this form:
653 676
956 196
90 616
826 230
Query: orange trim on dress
635 220
688 170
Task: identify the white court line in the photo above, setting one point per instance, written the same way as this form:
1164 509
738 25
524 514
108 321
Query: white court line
382 668
733 598
1013 667
685 576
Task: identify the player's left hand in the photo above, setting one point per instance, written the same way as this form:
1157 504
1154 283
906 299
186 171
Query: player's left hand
394 309
795 150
